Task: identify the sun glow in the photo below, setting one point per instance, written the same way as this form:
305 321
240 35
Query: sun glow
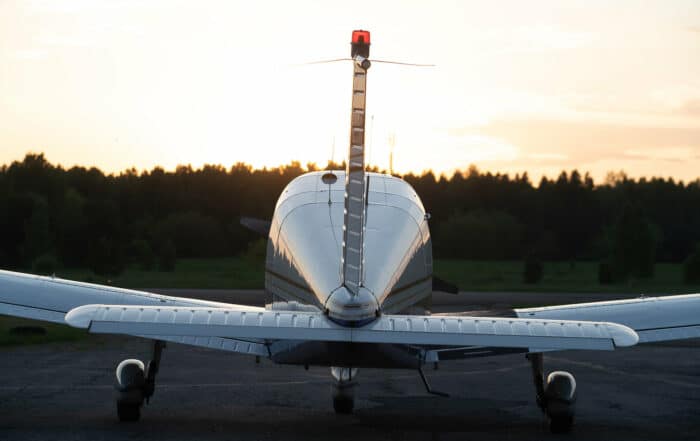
131 84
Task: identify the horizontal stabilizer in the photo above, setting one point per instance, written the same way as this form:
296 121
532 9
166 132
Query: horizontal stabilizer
388 329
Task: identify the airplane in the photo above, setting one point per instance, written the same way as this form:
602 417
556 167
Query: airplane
349 267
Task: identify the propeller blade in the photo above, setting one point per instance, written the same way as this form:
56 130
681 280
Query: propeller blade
403 64
373 61
326 61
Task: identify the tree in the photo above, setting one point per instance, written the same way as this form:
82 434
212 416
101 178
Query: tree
45 264
167 256
106 257
691 267
70 229
141 252
192 234
605 273
479 235
633 245
37 239
474 214
533 270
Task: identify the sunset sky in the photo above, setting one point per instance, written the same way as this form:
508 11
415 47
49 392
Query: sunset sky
539 85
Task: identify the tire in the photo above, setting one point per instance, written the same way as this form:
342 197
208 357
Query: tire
562 424
343 405
128 412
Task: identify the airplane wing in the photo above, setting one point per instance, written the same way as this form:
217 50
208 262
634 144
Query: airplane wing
239 328
50 298
652 318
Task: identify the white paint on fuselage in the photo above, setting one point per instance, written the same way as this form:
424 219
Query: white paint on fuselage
305 245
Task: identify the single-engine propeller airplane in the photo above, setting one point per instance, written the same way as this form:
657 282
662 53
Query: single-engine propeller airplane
349 267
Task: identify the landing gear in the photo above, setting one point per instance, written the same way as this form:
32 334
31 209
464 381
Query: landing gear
128 411
343 390
556 397
343 404
136 384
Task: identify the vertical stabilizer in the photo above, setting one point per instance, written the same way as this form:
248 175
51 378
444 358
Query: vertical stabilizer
353 223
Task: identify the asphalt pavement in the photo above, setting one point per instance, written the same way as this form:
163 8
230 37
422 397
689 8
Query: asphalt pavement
65 391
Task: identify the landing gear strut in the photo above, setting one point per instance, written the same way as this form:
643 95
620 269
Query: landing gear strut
136 383
556 397
343 390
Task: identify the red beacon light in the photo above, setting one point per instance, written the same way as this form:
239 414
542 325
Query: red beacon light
360 44
360 37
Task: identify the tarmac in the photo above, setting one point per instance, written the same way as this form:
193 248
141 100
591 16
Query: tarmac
64 391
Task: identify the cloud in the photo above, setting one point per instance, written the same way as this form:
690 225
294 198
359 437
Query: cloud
547 157
571 143
30 54
529 39
667 154
691 107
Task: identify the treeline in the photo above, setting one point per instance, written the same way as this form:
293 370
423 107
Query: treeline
79 217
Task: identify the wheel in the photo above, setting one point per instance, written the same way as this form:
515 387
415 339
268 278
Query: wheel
343 405
128 411
561 424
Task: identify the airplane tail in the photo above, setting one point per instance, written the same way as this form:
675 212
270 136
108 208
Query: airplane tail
355 182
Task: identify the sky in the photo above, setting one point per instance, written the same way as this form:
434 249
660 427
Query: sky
536 86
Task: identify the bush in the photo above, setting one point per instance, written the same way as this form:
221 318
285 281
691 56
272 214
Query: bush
106 257
634 245
192 234
691 267
142 254
167 256
479 235
45 264
533 270
605 273
256 251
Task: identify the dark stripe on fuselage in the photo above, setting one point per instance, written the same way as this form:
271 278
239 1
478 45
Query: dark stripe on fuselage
290 281
409 285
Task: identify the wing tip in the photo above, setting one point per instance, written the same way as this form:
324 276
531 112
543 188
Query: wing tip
622 335
82 316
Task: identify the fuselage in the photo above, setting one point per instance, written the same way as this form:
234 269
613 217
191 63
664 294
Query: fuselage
304 251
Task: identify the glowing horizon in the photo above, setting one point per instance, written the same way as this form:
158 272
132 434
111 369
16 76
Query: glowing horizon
518 87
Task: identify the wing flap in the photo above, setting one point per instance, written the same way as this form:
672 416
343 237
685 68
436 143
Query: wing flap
389 329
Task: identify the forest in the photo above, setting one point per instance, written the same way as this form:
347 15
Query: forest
51 217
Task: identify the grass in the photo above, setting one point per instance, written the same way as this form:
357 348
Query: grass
228 272
9 335
247 273
558 277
